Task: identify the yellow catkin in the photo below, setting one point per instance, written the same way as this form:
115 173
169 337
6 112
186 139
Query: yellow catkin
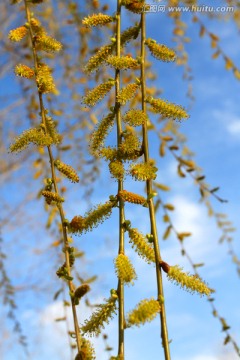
135 117
167 109
98 59
145 311
132 197
123 62
159 51
116 169
141 245
101 132
129 34
97 20
67 170
51 129
35 136
92 218
87 351
24 71
44 79
124 269
101 316
135 6
18 34
127 93
143 171
51 196
36 26
130 147
47 43
109 153
98 93
189 282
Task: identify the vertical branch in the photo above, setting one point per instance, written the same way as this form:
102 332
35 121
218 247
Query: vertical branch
120 187
60 208
164 331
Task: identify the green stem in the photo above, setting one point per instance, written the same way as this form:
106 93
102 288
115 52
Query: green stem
164 331
120 187
60 208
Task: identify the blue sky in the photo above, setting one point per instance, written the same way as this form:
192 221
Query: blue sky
213 133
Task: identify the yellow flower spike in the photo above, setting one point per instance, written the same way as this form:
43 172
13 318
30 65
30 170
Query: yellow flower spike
130 147
159 51
135 117
92 218
145 311
143 248
99 135
98 59
108 153
131 197
97 20
24 71
47 43
51 130
87 351
18 34
101 316
167 109
127 93
116 169
36 26
135 6
189 282
129 34
44 79
77 224
98 93
67 170
123 62
51 196
143 171
124 269
35 136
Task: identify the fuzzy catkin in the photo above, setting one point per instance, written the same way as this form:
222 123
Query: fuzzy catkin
101 316
159 51
132 197
92 218
97 20
116 169
127 93
35 136
98 59
44 79
123 62
47 43
142 247
24 71
124 269
101 132
87 351
143 171
67 170
167 109
98 93
18 34
135 117
191 283
144 312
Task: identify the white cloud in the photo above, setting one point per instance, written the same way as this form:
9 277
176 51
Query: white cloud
229 120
